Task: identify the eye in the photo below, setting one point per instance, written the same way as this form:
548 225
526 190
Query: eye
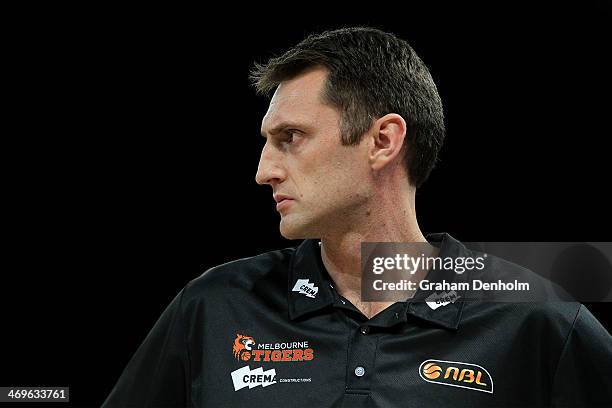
287 138
290 135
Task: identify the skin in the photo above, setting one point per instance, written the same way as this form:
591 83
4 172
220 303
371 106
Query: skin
343 195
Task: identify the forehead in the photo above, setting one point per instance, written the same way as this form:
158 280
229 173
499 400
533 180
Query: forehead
297 100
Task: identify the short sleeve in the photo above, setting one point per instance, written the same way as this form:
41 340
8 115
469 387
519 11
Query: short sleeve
158 373
584 373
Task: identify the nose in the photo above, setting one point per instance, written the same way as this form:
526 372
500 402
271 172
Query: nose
269 170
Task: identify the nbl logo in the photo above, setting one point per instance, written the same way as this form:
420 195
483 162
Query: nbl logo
456 374
431 371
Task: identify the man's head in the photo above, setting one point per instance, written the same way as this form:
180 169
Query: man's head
356 104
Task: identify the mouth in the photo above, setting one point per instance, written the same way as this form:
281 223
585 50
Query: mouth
283 203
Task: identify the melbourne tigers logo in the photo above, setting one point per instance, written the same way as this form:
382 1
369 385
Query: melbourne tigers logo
243 346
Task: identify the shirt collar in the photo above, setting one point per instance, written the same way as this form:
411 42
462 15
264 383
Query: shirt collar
448 316
307 267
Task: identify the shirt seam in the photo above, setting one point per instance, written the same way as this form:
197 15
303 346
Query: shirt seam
348 346
374 371
564 349
186 344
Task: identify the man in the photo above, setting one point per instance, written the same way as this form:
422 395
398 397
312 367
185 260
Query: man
352 130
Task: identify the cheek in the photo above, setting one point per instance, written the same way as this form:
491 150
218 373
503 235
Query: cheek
350 167
331 176
343 181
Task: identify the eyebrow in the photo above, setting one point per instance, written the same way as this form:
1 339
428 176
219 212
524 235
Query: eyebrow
280 127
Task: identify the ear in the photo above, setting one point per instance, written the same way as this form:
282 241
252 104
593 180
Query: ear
388 134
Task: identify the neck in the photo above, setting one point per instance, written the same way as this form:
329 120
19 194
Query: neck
341 249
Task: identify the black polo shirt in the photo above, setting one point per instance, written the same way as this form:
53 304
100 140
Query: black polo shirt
271 331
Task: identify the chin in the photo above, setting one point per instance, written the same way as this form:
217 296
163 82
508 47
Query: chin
289 233
290 229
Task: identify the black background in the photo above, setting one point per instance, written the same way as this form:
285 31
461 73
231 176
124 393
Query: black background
132 140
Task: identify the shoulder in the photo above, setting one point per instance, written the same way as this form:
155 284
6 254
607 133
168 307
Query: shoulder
550 320
242 274
538 287
561 314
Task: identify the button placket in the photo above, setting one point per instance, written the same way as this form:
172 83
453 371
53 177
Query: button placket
362 355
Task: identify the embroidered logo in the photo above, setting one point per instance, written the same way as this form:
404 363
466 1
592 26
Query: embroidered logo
245 348
456 374
242 346
245 377
305 288
434 300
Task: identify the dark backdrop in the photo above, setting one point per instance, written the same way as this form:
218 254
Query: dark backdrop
134 139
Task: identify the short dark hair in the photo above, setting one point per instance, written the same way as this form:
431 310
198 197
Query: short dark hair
371 73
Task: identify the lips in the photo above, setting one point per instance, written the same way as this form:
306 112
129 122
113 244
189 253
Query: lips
282 201
280 197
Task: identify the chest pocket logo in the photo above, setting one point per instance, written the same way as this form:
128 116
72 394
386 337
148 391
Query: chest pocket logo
456 374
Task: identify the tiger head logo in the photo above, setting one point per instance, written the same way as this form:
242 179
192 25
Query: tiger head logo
242 346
